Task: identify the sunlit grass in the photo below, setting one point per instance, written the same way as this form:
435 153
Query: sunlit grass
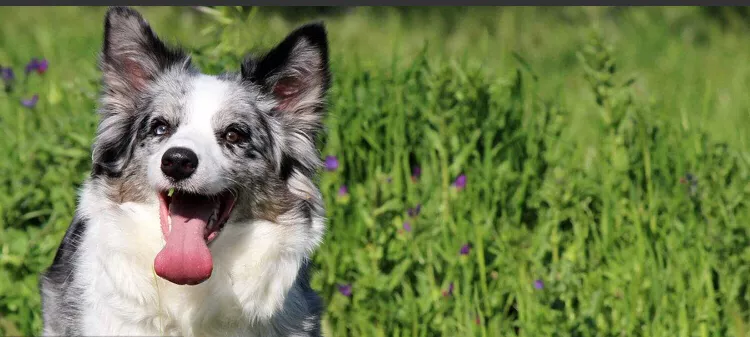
603 152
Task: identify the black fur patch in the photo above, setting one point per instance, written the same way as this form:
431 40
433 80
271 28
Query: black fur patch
259 71
68 248
132 130
313 300
58 299
289 165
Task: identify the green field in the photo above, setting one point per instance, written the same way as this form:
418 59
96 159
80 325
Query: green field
605 153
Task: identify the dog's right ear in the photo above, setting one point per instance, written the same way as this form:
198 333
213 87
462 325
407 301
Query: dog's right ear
132 54
132 57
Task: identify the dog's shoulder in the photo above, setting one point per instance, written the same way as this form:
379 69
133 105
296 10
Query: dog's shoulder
60 303
313 301
62 263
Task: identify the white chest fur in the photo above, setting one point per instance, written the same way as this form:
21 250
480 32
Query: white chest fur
253 280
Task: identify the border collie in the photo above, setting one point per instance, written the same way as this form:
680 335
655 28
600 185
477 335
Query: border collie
201 211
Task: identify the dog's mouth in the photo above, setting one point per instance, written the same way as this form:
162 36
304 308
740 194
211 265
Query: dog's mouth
189 223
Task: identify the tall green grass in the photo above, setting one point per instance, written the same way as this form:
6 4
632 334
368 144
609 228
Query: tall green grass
604 151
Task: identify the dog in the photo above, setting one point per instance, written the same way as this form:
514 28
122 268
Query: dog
201 210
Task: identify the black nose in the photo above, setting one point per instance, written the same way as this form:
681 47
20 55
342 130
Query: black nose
179 163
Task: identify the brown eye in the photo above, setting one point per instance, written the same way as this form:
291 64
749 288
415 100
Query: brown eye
232 137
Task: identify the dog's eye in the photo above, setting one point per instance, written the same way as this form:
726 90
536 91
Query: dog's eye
232 136
160 128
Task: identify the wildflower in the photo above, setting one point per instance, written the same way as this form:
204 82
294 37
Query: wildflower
414 211
494 275
478 320
343 191
31 66
332 163
448 292
407 226
465 249
31 102
8 78
345 289
416 172
7 74
40 66
460 182
539 284
389 180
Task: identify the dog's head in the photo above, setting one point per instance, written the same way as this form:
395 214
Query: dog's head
212 148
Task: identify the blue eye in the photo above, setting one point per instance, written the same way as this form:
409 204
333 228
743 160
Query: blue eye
161 129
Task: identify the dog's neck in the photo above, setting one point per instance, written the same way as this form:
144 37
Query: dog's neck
257 262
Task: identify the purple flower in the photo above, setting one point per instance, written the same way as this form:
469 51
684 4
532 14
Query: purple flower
448 292
7 74
465 249
460 182
389 180
539 284
414 211
416 172
31 66
345 289
31 102
343 191
8 78
332 163
40 66
407 226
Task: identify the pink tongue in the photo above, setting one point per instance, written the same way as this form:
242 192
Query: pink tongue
185 259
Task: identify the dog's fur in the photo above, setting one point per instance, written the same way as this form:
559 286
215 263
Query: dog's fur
102 280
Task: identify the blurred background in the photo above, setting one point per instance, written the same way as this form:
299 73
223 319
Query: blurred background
500 171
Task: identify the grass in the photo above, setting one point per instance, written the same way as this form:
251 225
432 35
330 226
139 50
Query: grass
604 148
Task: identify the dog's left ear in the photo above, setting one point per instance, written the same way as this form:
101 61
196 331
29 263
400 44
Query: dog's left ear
296 76
295 73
